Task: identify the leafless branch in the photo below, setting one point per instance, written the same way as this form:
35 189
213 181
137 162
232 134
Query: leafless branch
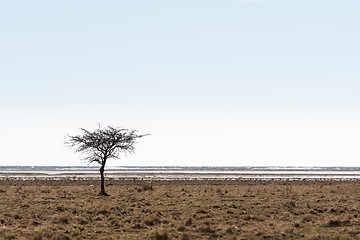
104 143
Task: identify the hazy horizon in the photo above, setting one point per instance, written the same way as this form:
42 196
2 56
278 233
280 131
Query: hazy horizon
174 166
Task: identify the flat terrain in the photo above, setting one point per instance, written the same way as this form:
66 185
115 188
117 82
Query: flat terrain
180 210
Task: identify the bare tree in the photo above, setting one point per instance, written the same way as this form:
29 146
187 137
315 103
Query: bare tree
103 144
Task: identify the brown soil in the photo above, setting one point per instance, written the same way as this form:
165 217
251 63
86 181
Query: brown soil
180 210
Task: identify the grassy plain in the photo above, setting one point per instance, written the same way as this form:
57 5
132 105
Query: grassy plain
59 210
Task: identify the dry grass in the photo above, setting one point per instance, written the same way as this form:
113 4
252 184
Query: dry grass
42 210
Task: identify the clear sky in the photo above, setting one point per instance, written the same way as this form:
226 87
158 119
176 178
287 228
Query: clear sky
217 83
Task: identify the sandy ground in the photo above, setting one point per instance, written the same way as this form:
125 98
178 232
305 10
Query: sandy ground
180 210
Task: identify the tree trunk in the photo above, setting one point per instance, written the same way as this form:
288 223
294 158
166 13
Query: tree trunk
102 192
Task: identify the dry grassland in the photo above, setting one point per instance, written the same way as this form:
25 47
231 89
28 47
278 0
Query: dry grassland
180 210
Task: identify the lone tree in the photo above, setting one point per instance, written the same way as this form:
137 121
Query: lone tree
103 144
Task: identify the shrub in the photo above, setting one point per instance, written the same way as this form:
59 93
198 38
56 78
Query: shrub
337 223
206 229
152 221
188 222
63 219
162 235
104 210
37 236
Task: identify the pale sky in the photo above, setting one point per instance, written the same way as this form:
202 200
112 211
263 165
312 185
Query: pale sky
216 83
